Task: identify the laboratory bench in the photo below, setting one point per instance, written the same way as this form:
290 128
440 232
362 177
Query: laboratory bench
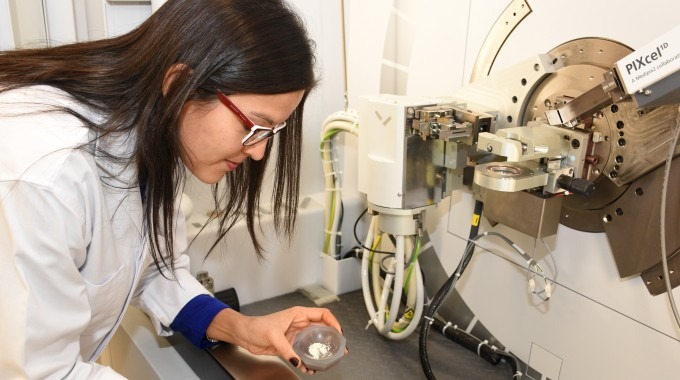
371 356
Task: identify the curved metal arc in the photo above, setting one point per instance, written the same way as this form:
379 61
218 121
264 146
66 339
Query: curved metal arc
513 14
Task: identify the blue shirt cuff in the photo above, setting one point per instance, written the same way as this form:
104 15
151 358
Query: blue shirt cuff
195 317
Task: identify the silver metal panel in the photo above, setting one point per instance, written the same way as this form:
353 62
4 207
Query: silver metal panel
422 177
586 104
429 169
633 222
639 140
525 212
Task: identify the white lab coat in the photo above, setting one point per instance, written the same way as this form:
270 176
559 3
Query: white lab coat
72 254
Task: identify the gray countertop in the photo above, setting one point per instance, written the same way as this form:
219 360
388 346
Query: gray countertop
371 355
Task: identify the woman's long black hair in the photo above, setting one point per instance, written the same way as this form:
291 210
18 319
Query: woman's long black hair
235 46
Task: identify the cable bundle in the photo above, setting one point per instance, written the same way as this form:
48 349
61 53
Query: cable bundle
399 278
341 121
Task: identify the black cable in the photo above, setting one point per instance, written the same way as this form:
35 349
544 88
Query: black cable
446 289
489 353
474 230
342 212
393 239
356 237
354 252
438 299
338 238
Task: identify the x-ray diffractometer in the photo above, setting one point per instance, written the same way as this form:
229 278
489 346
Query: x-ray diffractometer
558 143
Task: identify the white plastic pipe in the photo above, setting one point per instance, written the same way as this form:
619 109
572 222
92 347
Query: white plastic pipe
382 297
398 286
365 287
382 305
420 302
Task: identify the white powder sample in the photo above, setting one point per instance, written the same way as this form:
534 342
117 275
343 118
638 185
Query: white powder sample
319 350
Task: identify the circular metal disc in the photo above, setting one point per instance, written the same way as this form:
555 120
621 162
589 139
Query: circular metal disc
585 61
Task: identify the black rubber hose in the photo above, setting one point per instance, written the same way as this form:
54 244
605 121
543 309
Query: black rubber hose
474 230
444 291
472 343
468 341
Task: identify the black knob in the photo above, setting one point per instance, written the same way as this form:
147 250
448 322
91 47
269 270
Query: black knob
578 186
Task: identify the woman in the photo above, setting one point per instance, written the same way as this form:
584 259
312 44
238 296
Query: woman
95 138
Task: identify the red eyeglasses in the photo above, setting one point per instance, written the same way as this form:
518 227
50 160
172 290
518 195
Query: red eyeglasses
257 132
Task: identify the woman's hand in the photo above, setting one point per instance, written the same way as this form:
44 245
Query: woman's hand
271 334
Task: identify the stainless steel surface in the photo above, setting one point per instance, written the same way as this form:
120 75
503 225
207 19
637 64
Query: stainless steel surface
424 180
633 222
584 105
242 365
481 122
585 62
627 143
632 141
525 212
639 140
440 122
505 93
581 213
538 140
435 161
510 177
400 222
510 149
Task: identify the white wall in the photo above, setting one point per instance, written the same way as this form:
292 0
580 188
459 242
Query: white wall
323 20
6 35
57 22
